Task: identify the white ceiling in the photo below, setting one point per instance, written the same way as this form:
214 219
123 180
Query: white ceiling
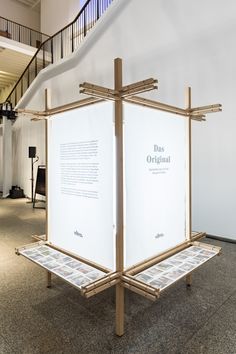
33 4
12 65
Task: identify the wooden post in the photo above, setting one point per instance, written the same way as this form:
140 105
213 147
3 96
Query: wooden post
188 103
119 196
189 157
47 106
189 280
49 279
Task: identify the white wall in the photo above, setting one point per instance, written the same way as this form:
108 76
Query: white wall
1 157
6 157
181 43
55 14
18 12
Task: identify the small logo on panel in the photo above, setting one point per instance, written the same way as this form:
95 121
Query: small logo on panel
77 233
159 235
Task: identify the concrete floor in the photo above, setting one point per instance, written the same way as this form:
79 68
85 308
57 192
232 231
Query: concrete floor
34 319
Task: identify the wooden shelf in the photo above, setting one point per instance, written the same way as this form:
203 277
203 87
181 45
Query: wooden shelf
165 273
75 272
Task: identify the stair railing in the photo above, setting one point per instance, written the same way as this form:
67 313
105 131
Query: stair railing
59 46
20 33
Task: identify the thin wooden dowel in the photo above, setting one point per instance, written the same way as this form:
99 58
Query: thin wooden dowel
101 288
137 90
30 111
207 246
139 291
18 250
63 108
217 105
150 81
106 279
205 111
39 237
77 104
87 85
98 94
157 105
81 259
140 285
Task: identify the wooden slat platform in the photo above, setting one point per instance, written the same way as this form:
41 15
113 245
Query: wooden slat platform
70 269
167 272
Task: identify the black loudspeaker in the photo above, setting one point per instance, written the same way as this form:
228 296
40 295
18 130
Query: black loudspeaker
32 152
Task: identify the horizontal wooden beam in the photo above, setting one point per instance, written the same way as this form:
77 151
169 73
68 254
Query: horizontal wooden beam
60 109
198 118
99 94
150 81
207 246
37 119
39 237
157 105
106 279
203 108
81 259
70 106
127 95
87 85
30 111
106 93
28 246
138 284
100 288
137 90
139 291
205 111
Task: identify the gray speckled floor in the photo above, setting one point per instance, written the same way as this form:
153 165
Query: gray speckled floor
34 319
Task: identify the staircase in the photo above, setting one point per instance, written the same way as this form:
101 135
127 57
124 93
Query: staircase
59 46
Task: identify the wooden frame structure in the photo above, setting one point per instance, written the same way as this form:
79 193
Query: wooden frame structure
125 278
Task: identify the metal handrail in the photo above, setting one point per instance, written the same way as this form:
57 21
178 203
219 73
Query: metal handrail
59 46
19 24
21 33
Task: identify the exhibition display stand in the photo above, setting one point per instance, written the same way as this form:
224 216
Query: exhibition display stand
118 186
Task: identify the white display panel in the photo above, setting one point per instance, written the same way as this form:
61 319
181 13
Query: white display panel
80 182
155 182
